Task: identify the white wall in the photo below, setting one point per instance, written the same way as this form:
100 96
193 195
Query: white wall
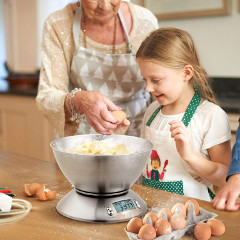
217 39
2 43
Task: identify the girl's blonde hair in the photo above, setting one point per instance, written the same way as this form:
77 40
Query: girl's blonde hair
174 48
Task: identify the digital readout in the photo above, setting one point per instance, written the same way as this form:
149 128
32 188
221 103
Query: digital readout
124 205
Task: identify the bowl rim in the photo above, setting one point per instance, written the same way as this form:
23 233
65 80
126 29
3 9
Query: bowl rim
107 155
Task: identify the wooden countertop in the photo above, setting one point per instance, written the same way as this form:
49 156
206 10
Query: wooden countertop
44 222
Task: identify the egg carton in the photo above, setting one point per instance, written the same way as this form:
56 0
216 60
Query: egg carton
191 221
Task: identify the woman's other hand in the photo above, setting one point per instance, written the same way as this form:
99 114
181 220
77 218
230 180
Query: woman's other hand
121 128
97 109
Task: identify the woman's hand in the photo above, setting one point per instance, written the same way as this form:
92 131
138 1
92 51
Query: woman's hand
97 109
121 128
182 139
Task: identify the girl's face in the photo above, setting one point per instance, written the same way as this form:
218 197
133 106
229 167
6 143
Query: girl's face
166 84
100 11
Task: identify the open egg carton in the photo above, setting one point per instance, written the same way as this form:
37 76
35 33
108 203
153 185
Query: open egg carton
191 221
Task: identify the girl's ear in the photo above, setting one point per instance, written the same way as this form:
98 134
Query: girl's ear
188 72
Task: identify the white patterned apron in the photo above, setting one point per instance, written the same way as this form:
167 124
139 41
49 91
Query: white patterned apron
176 178
116 76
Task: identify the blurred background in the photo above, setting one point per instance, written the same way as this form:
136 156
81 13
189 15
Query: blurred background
216 34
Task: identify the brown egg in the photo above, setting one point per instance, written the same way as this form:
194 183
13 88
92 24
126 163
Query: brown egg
162 227
34 187
167 211
25 190
134 225
121 115
202 231
45 194
147 232
153 217
217 227
177 221
181 207
195 203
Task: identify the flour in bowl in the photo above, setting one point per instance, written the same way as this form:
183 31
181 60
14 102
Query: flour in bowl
103 147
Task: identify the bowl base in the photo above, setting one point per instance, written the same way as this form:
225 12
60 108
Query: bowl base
103 210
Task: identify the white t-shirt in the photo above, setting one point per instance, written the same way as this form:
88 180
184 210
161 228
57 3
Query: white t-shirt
208 127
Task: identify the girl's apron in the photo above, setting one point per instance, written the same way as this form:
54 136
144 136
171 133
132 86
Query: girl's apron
116 76
176 178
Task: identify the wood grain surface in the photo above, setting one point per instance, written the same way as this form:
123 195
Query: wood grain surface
44 222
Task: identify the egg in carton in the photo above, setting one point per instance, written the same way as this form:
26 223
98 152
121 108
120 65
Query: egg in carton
191 220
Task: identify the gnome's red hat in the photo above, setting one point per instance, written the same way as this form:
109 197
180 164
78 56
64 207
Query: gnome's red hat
154 154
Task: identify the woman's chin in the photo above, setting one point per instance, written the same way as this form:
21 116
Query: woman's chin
104 18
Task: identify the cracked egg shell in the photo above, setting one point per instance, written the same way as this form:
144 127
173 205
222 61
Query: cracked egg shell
25 190
50 194
44 194
41 193
34 187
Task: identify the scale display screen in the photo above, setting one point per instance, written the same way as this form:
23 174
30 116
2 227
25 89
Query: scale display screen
124 205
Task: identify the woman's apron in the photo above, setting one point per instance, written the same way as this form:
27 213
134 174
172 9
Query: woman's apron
176 178
116 76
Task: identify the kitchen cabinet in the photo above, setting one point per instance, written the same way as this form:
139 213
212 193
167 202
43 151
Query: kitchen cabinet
21 35
23 129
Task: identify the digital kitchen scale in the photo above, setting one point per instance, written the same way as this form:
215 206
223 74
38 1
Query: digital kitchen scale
118 207
102 182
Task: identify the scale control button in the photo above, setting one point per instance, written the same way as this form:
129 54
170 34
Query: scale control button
137 204
109 211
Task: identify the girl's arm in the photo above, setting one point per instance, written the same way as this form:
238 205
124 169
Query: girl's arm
213 170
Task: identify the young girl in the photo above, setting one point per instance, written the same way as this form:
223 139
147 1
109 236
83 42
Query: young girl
190 133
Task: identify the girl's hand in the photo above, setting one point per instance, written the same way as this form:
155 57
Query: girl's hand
182 139
97 109
121 128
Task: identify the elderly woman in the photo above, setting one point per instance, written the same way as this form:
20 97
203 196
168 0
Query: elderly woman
89 67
